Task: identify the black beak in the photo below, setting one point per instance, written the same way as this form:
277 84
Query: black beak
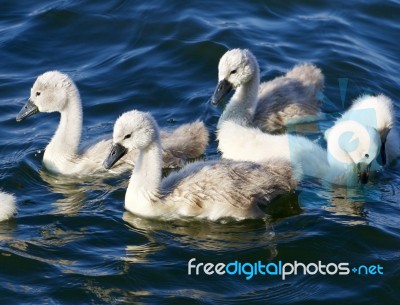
29 109
363 173
222 90
363 177
116 153
383 153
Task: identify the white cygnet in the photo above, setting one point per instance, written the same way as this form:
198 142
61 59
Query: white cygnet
56 92
270 106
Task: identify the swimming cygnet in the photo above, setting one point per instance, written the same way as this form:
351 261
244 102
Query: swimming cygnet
7 206
271 106
352 150
211 190
55 92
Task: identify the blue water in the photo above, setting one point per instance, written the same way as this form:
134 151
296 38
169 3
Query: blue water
72 242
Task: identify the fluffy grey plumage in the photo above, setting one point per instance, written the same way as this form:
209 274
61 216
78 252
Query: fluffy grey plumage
218 189
289 99
212 190
188 141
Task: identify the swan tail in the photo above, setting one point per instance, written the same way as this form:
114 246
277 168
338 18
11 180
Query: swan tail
188 141
309 75
290 99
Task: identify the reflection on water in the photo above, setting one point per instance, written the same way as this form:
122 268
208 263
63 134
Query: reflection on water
26 250
7 230
354 202
348 202
201 235
75 191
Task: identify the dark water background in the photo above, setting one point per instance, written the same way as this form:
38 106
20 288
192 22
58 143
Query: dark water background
71 241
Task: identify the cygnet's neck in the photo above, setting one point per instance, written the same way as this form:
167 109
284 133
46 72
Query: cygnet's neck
242 105
66 139
144 184
346 176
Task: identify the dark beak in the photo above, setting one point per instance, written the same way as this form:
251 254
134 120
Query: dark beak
116 153
363 177
383 153
363 172
222 90
29 109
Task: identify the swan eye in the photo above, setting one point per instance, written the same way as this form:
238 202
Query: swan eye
233 71
37 93
366 156
127 136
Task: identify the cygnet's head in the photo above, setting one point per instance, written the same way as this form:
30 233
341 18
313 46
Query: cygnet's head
377 111
49 93
353 146
236 67
132 130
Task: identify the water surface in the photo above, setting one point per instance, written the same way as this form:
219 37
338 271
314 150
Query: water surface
72 241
